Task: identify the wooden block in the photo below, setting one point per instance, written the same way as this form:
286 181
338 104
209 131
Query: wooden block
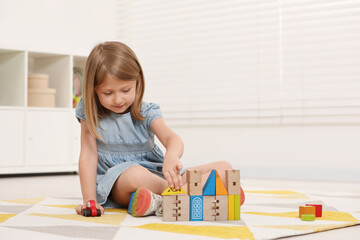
183 211
196 208
193 179
237 207
176 208
318 209
216 208
232 174
194 189
220 188
233 181
231 205
168 204
209 208
210 185
170 191
306 210
308 217
193 176
222 207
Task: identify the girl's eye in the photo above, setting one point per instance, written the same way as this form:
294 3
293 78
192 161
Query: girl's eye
107 93
126 90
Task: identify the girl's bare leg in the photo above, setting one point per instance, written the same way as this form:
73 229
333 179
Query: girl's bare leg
138 176
133 178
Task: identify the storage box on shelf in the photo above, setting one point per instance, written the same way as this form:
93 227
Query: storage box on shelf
39 93
40 136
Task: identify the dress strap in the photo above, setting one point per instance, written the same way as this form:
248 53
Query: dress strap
125 149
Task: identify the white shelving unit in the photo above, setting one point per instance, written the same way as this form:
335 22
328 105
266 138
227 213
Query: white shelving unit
37 139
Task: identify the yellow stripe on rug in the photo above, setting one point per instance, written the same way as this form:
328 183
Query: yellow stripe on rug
29 201
62 206
112 210
109 219
313 227
277 192
4 217
280 194
327 215
117 210
225 232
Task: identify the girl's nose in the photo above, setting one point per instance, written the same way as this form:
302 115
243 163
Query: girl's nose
117 99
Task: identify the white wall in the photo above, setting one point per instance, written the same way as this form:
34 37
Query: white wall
288 152
271 86
60 26
328 152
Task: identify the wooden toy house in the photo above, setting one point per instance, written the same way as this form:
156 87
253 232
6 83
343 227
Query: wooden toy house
213 202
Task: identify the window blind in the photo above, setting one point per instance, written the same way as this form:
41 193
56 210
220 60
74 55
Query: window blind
247 62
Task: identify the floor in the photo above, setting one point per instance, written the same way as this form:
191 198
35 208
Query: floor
68 186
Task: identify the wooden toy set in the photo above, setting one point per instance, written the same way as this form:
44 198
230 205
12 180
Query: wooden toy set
213 202
310 211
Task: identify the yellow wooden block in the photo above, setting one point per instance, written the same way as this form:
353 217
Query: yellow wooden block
170 191
306 210
231 207
237 207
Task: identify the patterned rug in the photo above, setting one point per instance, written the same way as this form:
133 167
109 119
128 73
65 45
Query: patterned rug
266 214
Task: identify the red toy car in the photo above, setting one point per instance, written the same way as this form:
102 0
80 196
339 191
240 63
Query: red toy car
91 210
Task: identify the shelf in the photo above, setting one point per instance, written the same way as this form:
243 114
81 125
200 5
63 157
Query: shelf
12 135
38 139
59 69
12 77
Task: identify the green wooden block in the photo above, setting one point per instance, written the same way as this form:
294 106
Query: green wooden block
308 217
237 207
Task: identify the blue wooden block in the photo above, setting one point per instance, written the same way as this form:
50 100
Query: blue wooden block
196 208
210 185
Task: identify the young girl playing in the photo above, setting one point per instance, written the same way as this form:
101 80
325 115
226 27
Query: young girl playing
118 154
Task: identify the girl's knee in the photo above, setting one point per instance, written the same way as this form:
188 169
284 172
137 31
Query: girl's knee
224 165
135 175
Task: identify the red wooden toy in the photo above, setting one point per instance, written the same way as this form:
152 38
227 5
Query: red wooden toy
91 210
318 209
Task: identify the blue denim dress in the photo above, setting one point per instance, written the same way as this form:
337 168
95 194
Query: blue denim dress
127 142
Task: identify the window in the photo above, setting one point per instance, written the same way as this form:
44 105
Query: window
248 62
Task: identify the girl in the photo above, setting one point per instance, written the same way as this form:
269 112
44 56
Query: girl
118 155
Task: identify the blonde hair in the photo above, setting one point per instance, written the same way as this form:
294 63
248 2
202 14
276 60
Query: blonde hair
118 60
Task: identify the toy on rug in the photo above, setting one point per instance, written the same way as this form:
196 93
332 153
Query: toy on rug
310 212
91 210
213 202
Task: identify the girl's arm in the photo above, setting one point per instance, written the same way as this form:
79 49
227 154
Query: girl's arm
87 167
174 150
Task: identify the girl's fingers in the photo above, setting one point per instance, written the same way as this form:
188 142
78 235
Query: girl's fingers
169 179
174 179
180 180
102 210
79 208
179 166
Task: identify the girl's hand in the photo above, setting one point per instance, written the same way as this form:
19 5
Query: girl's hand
171 170
80 207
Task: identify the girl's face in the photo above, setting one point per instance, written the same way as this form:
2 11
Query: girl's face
116 95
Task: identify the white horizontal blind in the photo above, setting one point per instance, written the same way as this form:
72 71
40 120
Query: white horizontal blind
247 62
321 61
